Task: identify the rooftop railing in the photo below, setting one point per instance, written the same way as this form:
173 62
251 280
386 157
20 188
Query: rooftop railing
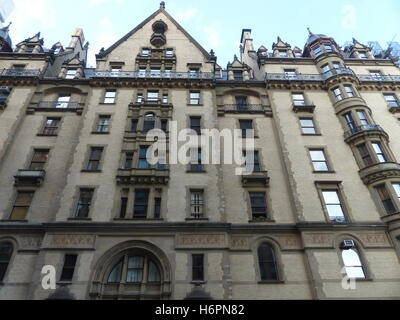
152 75
19 73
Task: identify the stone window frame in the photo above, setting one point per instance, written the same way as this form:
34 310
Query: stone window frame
38 149
356 118
206 209
195 116
305 96
278 259
270 218
13 201
390 190
316 126
97 122
343 92
327 156
384 94
334 186
201 98
104 96
203 165
261 161
368 141
44 124
190 255
87 158
254 126
14 243
76 199
361 250
62 265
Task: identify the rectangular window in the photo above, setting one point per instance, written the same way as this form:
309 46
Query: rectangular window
386 199
195 124
194 97
109 97
328 48
336 65
334 205
363 117
63 102
308 126
258 204
164 125
169 52
365 155
134 124
283 53
349 90
362 54
396 187
348 117
290 73
376 75
51 126
337 94
152 96
197 204
139 98
257 165
379 152
165 99
143 163
146 52
95 158
198 267
244 126
298 99
71 74
69 267
103 125
84 203
124 207
39 159
241 103
197 161
392 101
21 205
141 204
135 270
325 68
319 160
128 160
157 208
317 51
238 75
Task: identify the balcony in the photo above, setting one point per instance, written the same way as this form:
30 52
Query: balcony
305 107
29 178
379 78
379 172
294 77
19 73
153 75
256 178
244 108
143 176
55 106
337 72
359 130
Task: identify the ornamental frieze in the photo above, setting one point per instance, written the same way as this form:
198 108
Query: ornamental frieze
201 241
69 241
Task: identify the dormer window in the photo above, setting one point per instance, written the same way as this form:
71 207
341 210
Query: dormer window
193 72
336 65
169 52
325 68
145 52
362 55
328 48
283 54
238 75
71 74
29 49
317 50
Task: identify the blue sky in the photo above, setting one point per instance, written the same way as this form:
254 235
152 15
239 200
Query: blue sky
216 24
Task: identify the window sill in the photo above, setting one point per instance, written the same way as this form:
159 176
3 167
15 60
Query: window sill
262 221
195 105
324 172
91 171
312 134
197 219
196 172
100 133
272 282
15 221
64 283
198 282
47 135
79 219
107 104
138 219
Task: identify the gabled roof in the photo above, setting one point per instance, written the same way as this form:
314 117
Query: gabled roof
104 53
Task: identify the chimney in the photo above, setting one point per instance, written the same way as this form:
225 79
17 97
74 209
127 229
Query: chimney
246 42
77 38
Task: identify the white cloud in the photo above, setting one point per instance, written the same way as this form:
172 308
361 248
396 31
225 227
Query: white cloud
182 16
349 20
213 36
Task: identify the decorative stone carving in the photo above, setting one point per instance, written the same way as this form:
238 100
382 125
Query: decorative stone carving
240 243
30 242
69 241
201 241
319 240
375 240
288 242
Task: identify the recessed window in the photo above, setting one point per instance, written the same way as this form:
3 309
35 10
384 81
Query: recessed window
241 103
334 205
258 205
238 75
30 48
139 98
196 164
362 55
336 65
63 102
169 52
376 75
363 117
141 204
352 262
146 52
84 203
149 122
337 94
386 199
256 164
194 98
128 164
6 251
349 90
195 124
197 204
134 125
21 205
317 51
165 99
290 74
308 126
325 68
110 96
95 158
143 163
283 54
267 262
365 155
51 126
298 99
157 208
396 187
379 152
39 159
351 124
246 125
124 207
319 160
69 267
71 74
392 101
152 96
198 267
103 125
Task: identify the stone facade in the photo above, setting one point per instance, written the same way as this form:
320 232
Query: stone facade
81 212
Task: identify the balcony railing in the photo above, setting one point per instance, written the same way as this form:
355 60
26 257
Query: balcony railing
152 75
379 78
19 73
244 108
58 105
338 71
143 176
293 77
363 128
257 178
303 107
29 177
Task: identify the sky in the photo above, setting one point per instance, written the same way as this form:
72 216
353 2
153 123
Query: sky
215 24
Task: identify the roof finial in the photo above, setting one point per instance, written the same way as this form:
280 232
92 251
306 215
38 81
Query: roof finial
309 31
7 29
162 5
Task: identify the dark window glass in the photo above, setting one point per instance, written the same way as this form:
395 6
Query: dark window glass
197 204
134 124
6 251
103 125
257 165
149 122
164 125
245 125
128 160
124 207
197 165
258 204
365 155
241 103
157 208
51 126
84 203
238 75
198 267
69 267
141 204
386 199
39 159
350 121
195 124
267 261
21 205
94 159
143 163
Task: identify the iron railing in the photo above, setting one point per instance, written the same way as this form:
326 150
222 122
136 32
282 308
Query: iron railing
19 73
152 75
243 108
58 105
363 128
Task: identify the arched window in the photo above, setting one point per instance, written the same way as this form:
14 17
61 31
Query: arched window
149 122
6 250
268 263
352 261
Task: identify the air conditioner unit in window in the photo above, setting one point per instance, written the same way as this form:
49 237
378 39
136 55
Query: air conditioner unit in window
348 244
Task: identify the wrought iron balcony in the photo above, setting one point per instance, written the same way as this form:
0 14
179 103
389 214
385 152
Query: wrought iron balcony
153 75
245 108
58 105
19 73
363 128
294 77
30 177
256 178
338 71
143 176
379 78
305 107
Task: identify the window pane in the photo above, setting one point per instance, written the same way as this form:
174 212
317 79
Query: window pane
331 197
267 261
154 273
115 275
